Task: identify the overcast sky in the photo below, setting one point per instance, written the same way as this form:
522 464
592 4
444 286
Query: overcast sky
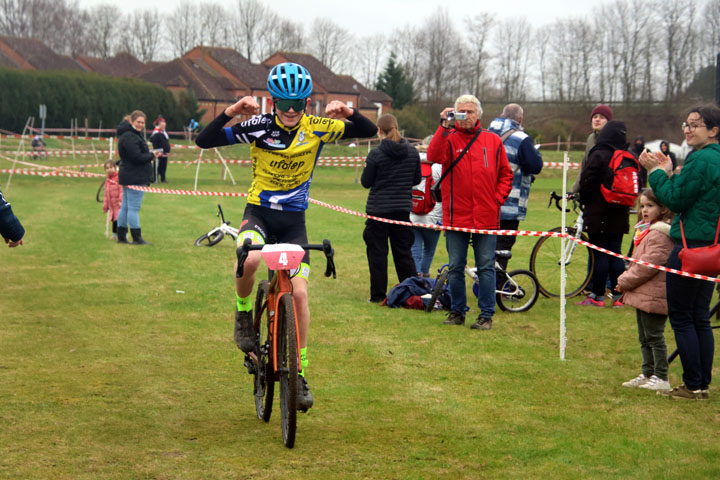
384 16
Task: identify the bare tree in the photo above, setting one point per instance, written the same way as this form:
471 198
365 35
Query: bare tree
15 18
328 43
370 55
478 31
407 43
142 34
249 26
103 30
184 28
213 24
512 60
279 34
678 54
711 32
441 47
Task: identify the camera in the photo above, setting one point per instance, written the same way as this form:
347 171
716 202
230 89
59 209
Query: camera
456 116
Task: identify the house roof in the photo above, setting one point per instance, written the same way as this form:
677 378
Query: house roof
321 74
38 54
251 74
368 97
121 65
187 74
6 61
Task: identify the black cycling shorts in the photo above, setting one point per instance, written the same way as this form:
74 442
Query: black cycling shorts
265 225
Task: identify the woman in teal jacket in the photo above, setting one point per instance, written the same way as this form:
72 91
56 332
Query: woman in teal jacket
694 195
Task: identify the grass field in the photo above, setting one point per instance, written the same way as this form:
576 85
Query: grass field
117 362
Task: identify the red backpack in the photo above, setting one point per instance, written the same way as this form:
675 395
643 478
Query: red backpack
621 185
422 200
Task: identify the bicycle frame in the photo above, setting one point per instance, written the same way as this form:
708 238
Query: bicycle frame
280 284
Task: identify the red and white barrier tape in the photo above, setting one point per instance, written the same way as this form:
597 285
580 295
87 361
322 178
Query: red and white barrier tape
520 233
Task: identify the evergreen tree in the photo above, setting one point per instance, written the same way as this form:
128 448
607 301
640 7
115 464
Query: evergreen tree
395 83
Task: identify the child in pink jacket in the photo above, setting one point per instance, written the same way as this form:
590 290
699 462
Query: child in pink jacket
644 288
113 195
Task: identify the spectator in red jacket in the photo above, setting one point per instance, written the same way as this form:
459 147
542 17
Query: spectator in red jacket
477 179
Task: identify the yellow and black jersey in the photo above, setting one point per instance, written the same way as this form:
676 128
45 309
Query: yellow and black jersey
283 159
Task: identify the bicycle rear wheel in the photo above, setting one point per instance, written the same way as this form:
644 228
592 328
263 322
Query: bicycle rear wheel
287 357
264 380
437 290
545 265
520 291
211 238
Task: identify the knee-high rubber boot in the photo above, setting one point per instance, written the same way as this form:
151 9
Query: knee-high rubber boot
137 237
122 235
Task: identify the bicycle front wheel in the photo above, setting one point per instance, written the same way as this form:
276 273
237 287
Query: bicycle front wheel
545 264
287 368
210 239
264 380
519 292
437 289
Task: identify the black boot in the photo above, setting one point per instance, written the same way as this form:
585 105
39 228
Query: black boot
122 235
137 237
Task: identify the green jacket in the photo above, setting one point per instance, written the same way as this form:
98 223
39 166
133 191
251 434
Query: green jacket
693 194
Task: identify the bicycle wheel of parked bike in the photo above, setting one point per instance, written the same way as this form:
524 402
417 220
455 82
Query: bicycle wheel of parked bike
287 358
520 292
264 381
100 196
437 289
211 238
545 264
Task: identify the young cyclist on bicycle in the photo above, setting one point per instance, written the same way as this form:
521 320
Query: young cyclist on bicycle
285 145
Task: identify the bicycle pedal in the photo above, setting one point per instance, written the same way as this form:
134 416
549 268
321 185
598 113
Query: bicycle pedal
250 364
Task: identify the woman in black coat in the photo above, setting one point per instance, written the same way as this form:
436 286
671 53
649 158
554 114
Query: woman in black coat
390 172
605 223
136 168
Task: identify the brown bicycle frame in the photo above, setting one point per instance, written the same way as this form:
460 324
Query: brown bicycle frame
280 284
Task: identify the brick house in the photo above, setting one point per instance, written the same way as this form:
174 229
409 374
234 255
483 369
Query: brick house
372 103
31 54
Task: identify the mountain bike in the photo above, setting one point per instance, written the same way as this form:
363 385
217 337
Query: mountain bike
214 236
517 293
276 357
579 259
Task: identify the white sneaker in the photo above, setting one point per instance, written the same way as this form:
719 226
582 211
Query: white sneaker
636 382
656 383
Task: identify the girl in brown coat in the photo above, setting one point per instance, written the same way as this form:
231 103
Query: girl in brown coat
644 288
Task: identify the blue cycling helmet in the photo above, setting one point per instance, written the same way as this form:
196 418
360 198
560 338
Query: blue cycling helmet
289 81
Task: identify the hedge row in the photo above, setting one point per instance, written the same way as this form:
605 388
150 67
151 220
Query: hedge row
79 95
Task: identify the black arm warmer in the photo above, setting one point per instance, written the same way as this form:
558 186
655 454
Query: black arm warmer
213 135
358 126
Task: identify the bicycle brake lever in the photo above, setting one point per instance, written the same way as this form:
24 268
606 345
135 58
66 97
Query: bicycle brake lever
329 254
242 253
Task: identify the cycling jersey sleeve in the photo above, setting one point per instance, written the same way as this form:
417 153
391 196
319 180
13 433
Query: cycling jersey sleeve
213 135
359 126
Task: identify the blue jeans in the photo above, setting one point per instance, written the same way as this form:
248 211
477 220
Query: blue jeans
689 312
484 249
130 209
606 265
423 249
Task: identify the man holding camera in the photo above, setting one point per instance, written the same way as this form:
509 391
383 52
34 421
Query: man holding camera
476 181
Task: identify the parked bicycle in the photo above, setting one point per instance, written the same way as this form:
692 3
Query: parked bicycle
517 293
276 357
214 236
545 258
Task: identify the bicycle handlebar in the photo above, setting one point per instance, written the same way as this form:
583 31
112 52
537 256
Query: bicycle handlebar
325 247
557 198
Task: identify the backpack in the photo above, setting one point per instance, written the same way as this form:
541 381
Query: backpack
621 185
422 200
